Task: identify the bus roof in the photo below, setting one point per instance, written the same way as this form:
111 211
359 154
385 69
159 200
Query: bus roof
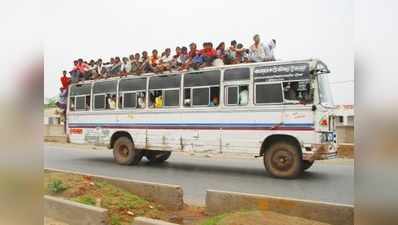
314 64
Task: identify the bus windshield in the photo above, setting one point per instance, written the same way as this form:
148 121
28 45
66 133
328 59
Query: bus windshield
325 93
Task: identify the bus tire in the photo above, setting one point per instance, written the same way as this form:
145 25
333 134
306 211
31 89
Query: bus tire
307 164
125 153
157 156
283 160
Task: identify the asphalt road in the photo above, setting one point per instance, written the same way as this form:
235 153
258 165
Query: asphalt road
331 181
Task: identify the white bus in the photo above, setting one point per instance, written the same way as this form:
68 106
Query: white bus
281 111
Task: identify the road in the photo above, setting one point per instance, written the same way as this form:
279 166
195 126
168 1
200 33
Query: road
331 181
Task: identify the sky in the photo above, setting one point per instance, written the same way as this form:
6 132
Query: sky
103 29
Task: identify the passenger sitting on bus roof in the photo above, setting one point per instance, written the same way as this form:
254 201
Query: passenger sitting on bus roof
126 67
74 73
259 52
146 64
166 60
99 70
65 81
116 67
221 54
136 64
214 102
91 69
231 54
83 70
272 45
242 54
183 59
209 54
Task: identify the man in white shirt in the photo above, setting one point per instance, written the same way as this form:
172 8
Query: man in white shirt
243 97
259 52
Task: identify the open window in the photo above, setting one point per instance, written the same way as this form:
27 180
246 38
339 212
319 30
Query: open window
80 97
164 91
268 93
132 93
104 93
202 89
298 92
236 95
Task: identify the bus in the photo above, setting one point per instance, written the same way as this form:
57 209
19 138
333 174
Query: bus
281 111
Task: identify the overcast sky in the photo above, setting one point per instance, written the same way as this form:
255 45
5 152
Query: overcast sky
103 29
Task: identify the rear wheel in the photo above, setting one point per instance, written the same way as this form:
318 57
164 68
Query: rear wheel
125 153
307 164
283 160
157 156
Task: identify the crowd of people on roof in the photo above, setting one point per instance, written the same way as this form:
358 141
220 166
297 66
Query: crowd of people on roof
183 59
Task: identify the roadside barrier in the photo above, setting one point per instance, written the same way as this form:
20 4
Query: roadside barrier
170 196
148 221
74 213
336 214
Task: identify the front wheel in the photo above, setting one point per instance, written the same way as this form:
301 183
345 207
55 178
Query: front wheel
157 156
125 153
283 160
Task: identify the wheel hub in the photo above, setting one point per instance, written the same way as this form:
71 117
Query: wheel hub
282 159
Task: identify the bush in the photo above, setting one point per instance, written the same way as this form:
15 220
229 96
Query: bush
56 186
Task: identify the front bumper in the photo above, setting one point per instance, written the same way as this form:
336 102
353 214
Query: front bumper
320 152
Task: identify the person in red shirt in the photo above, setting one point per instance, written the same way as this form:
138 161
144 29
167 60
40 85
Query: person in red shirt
82 68
65 81
209 53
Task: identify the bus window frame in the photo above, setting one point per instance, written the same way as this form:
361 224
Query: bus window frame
121 94
93 100
265 83
208 104
85 103
236 84
164 97
295 102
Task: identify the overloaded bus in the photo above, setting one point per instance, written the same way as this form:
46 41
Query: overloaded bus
280 111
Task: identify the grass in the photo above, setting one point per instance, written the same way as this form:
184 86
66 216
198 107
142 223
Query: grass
122 205
215 220
56 186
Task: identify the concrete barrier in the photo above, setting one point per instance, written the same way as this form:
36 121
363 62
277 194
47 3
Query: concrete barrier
336 214
170 196
148 221
74 213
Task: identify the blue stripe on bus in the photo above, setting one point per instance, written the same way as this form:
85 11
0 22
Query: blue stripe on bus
266 126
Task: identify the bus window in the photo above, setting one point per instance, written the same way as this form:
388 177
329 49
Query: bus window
268 93
297 92
237 95
104 93
237 74
132 93
202 88
79 97
164 91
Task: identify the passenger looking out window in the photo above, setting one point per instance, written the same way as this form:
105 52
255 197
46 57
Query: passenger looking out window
298 92
243 95
111 100
214 102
